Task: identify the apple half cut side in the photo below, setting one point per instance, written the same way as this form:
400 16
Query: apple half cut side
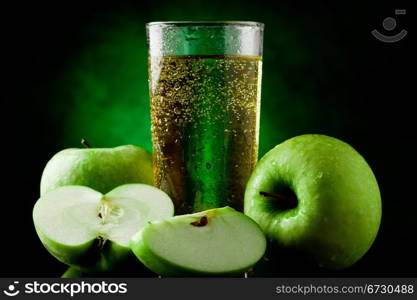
91 231
215 242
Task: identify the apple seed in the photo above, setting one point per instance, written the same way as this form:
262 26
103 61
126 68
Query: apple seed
202 222
107 211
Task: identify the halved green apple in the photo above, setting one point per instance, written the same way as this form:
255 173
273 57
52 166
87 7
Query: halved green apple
216 242
84 228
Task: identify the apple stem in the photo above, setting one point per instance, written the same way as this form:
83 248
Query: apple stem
202 222
273 195
101 242
284 201
85 143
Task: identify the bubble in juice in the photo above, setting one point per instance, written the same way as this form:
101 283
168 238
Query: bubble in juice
205 127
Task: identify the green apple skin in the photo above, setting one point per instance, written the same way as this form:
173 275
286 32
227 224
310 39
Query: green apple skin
140 243
85 258
101 169
130 268
73 272
339 205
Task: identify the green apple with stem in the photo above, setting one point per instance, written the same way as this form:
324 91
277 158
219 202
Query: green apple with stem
316 194
216 242
83 228
101 169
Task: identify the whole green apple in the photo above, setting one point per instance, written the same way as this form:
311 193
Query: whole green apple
317 194
101 169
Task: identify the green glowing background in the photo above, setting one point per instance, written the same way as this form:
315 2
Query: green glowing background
105 90
77 70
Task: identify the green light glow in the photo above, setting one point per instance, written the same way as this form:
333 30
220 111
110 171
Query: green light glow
108 90
105 85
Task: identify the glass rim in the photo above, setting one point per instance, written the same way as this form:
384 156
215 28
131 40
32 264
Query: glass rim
205 23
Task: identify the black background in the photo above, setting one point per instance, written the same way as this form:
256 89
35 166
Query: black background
38 38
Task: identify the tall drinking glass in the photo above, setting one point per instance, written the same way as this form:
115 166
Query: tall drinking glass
205 84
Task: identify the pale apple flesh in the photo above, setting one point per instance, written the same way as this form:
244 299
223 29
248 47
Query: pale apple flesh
210 243
84 228
337 209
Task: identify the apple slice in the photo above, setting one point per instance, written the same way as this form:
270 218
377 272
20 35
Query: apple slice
220 241
84 228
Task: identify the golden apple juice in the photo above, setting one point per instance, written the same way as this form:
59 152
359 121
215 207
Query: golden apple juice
205 127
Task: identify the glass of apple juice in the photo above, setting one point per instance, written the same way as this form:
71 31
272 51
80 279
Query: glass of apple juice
205 86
